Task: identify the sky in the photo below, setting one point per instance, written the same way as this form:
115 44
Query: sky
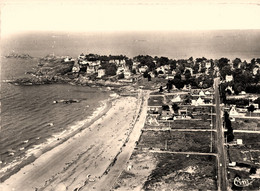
19 16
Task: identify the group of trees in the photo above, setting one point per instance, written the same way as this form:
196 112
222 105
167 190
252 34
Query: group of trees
229 134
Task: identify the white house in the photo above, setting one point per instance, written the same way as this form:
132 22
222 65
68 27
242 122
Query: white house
161 68
202 93
81 56
197 102
208 64
101 73
135 65
143 69
120 70
75 68
234 113
229 78
176 99
127 75
255 70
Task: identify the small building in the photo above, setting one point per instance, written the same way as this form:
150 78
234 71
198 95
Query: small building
176 99
120 70
197 102
81 56
143 69
229 78
101 73
202 93
127 75
75 69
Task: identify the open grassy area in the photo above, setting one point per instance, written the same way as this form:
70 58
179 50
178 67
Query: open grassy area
154 171
250 140
176 141
155 101
246 124
182 172
190 124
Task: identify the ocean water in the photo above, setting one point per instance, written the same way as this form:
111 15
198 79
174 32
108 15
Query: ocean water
244 44
30 120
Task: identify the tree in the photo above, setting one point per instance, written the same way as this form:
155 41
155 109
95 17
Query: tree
226 70
149 77
236 62
145 75
251 108
195 68
110 69
175 108
187 74
121 76
222 62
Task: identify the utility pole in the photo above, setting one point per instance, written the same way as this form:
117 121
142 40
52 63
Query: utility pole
211 137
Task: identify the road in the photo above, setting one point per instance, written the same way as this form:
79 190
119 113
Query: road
222 166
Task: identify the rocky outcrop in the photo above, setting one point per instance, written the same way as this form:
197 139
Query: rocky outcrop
50 70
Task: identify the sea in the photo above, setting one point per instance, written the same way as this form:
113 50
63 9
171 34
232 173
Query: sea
31 121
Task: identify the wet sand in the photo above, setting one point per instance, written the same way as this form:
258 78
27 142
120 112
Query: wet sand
83 158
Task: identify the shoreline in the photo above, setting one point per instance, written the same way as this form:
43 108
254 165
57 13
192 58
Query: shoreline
101 110
77 136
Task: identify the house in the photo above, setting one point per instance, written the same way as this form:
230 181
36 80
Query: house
118 62
161 69
176 99
68 59
207 93
230 89
183 112
169 77
75 68
101 73
190 69
135 65
202 93
120 70
255 70
166 114
229 78
234 113
81 56
127 75
208 64
197 102
143 69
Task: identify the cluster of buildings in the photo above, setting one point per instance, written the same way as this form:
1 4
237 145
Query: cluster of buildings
92 64
172 106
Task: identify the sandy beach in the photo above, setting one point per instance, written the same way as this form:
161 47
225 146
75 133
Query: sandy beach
83 159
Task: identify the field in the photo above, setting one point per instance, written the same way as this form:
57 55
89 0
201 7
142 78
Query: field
246 124
168 172
176 141
155 101
247 156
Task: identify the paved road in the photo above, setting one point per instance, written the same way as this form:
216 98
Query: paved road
184 153
222 166
184 130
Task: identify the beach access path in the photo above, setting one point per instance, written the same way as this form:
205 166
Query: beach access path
83 158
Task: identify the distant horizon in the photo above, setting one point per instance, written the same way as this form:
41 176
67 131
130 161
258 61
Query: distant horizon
130 15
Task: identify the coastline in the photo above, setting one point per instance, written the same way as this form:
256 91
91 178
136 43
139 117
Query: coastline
58 139
26 174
